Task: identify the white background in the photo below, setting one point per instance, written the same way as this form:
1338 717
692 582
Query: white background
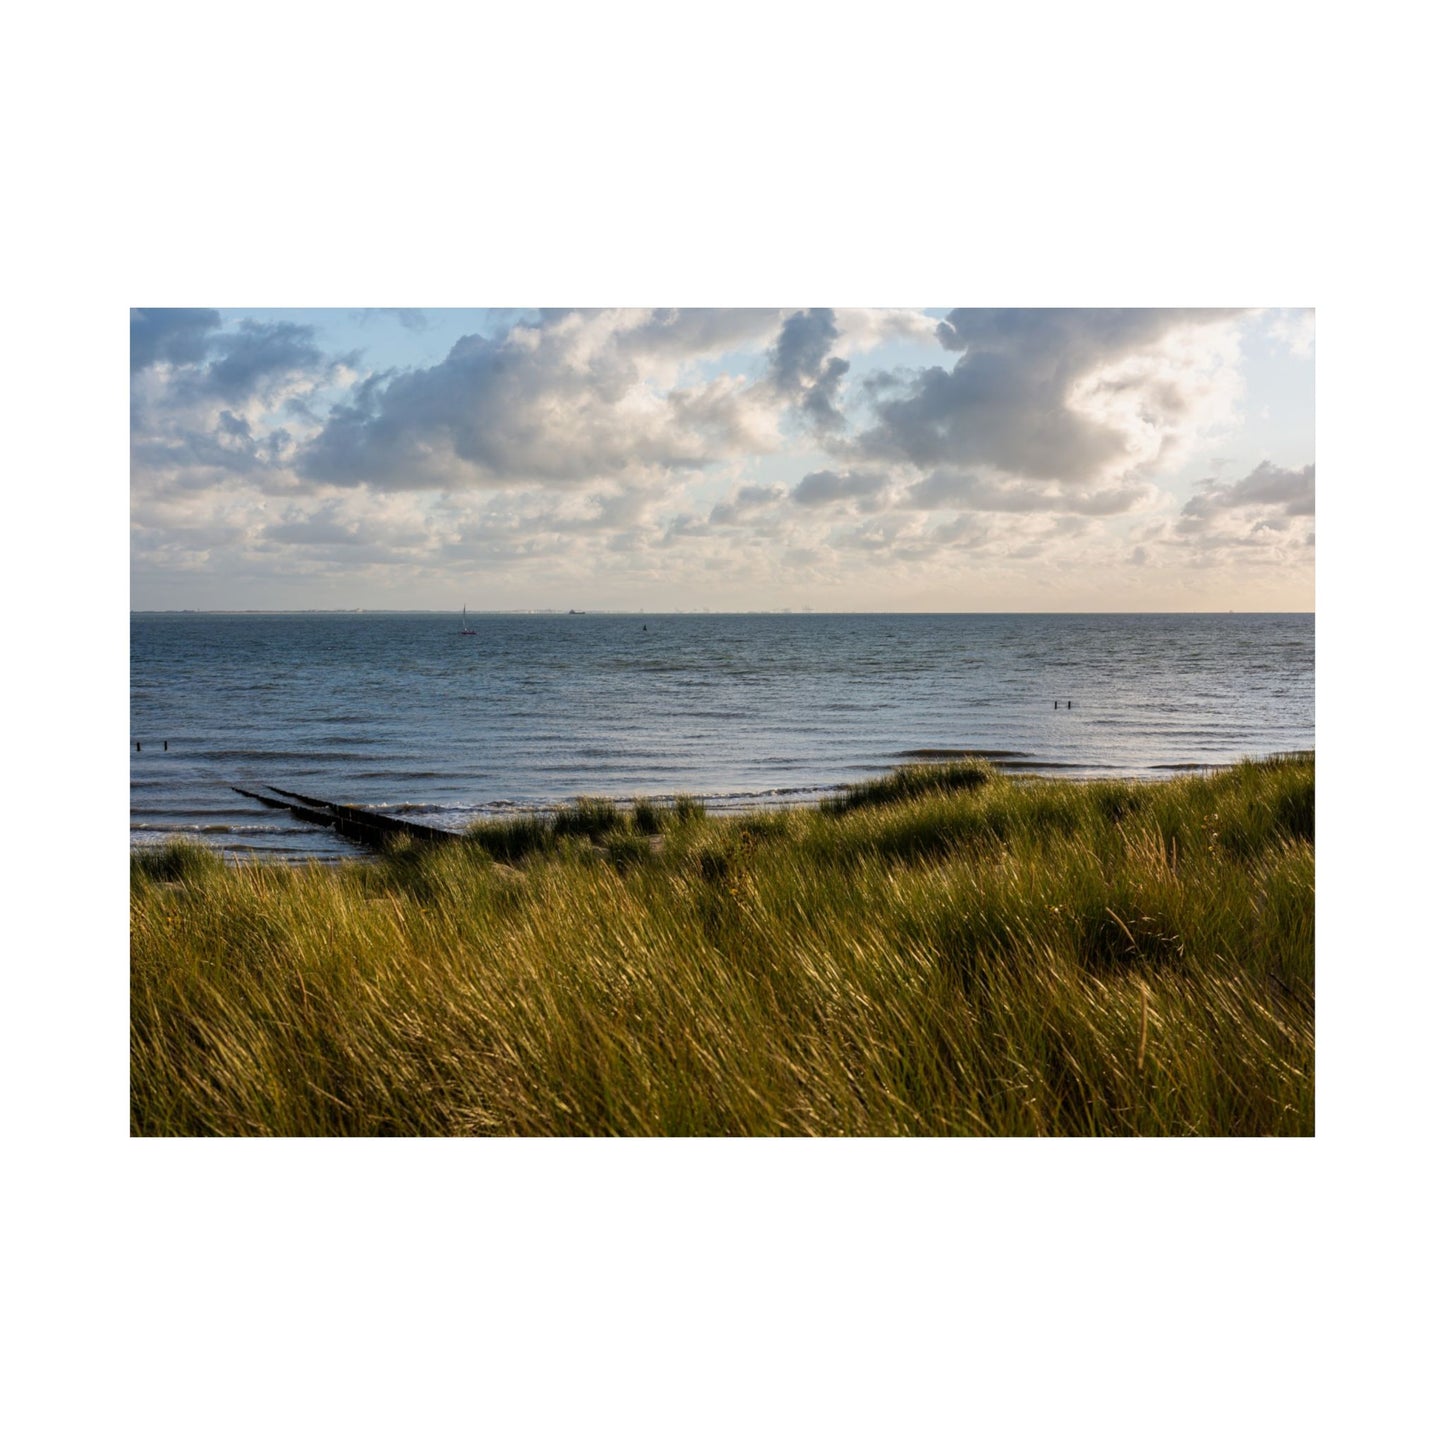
781 154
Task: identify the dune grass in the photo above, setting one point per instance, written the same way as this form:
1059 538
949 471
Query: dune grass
990 956
914 781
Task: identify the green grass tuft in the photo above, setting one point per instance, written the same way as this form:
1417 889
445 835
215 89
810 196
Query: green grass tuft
648 817
915 781
687 810
178 861
591 818
509 840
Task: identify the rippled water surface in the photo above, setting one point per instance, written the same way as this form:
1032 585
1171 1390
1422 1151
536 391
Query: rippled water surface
398 711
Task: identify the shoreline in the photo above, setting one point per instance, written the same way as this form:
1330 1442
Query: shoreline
1010 765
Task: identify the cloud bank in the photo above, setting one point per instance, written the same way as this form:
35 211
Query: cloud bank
646 452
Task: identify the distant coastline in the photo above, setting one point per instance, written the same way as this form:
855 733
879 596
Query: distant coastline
643 612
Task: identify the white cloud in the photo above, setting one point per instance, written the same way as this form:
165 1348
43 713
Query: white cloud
1294 330
572 399
862 330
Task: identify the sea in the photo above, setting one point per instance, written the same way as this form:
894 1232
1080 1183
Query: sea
403 713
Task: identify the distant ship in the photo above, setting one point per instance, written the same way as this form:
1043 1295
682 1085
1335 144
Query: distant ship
573 612
466 631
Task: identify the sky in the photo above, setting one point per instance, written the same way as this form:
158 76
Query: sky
832 459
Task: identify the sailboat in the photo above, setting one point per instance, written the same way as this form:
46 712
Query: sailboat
466 631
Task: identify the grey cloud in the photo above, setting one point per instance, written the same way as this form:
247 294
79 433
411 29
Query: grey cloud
1070 335
820 488
179 336
301 409
253 359
821 401
1293 491
943 489
800 367
744 503
803 344
1004 402
979 413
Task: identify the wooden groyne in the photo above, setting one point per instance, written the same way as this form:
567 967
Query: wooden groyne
361 825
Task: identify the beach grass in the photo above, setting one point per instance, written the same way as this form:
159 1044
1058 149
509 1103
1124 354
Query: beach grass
947 951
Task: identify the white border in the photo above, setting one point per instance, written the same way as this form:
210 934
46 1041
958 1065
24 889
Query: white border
790 154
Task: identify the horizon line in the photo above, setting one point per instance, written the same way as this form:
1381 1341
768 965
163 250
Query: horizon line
720 612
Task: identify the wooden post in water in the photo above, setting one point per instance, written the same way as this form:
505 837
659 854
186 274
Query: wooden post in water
361 825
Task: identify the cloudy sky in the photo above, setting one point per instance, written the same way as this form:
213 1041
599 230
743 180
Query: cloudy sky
886 459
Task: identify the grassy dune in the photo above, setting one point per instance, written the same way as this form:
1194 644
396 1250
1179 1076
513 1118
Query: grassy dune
942 952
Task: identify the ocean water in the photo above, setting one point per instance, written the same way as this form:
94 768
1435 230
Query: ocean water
399 712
